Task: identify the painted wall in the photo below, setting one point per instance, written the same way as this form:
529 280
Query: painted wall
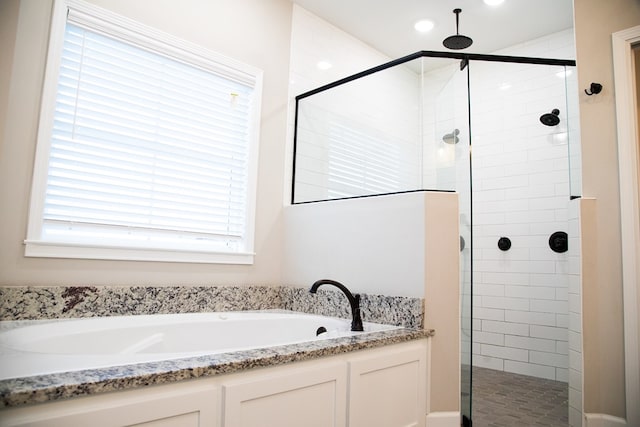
256 32
595 21
373 245
352 241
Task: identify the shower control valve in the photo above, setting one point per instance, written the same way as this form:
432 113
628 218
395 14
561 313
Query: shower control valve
504 243
559 242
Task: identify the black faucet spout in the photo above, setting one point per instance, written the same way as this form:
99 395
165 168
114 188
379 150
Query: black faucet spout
354 301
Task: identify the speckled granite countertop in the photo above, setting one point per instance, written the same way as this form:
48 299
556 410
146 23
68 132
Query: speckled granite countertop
63 302
27 303
51 387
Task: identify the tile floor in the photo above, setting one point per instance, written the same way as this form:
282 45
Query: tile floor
503 399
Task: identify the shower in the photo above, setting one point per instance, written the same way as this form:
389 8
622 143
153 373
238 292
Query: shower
457 41
550 119
512 303
451 138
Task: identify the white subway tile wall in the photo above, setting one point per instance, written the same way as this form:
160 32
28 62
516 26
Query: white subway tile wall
574 342
521 191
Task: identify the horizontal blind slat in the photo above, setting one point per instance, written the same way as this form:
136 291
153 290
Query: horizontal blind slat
142 140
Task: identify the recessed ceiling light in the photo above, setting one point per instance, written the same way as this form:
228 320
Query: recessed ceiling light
493 2
324 65
423 25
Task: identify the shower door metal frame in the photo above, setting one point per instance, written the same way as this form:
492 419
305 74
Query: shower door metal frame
465 59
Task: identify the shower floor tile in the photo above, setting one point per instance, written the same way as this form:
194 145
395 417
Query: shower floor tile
503 399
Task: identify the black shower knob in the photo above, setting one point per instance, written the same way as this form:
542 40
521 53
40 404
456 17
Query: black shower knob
559 242
504 243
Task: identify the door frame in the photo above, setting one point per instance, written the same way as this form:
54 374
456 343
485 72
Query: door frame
627 125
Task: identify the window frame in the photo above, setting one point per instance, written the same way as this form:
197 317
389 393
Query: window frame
130 31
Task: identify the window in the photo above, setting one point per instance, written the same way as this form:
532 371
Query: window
146 148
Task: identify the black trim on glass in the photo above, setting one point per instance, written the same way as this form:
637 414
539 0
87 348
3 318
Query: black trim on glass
295 156
464 57
468 418
422 190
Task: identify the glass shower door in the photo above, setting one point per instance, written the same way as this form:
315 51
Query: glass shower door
446 164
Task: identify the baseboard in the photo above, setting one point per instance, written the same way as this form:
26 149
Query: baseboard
603 420
443 419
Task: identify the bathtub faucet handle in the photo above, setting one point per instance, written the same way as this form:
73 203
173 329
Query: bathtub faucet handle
354 301
356 322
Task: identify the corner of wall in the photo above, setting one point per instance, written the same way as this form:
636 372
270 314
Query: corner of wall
442 299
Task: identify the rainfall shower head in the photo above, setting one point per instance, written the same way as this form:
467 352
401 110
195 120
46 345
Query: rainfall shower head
457 41
550 119
451 138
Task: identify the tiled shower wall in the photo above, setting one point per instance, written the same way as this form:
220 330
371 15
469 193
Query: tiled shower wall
521 191
575 312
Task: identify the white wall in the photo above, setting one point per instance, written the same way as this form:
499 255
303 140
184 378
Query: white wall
256 32
374 245
401 244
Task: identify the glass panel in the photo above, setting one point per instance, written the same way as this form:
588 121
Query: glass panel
367 137
573 132
360 138
520 178
446 140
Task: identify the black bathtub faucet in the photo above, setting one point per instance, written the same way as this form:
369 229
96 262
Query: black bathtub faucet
354 301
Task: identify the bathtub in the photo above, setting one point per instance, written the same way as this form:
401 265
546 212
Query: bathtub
48 347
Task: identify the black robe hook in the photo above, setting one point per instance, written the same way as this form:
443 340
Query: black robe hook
595 89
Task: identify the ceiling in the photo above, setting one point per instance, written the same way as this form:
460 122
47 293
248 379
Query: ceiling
387 25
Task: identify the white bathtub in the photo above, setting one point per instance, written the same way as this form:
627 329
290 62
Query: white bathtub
75 344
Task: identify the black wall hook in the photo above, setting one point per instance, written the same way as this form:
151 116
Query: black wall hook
594 89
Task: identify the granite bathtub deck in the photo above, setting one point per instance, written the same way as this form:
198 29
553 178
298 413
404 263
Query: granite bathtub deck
52 387
26 303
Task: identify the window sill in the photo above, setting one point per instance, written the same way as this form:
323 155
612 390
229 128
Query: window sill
40 249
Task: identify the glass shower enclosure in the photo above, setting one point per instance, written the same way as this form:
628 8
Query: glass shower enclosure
409 125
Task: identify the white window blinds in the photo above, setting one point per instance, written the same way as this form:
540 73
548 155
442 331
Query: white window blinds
147 151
